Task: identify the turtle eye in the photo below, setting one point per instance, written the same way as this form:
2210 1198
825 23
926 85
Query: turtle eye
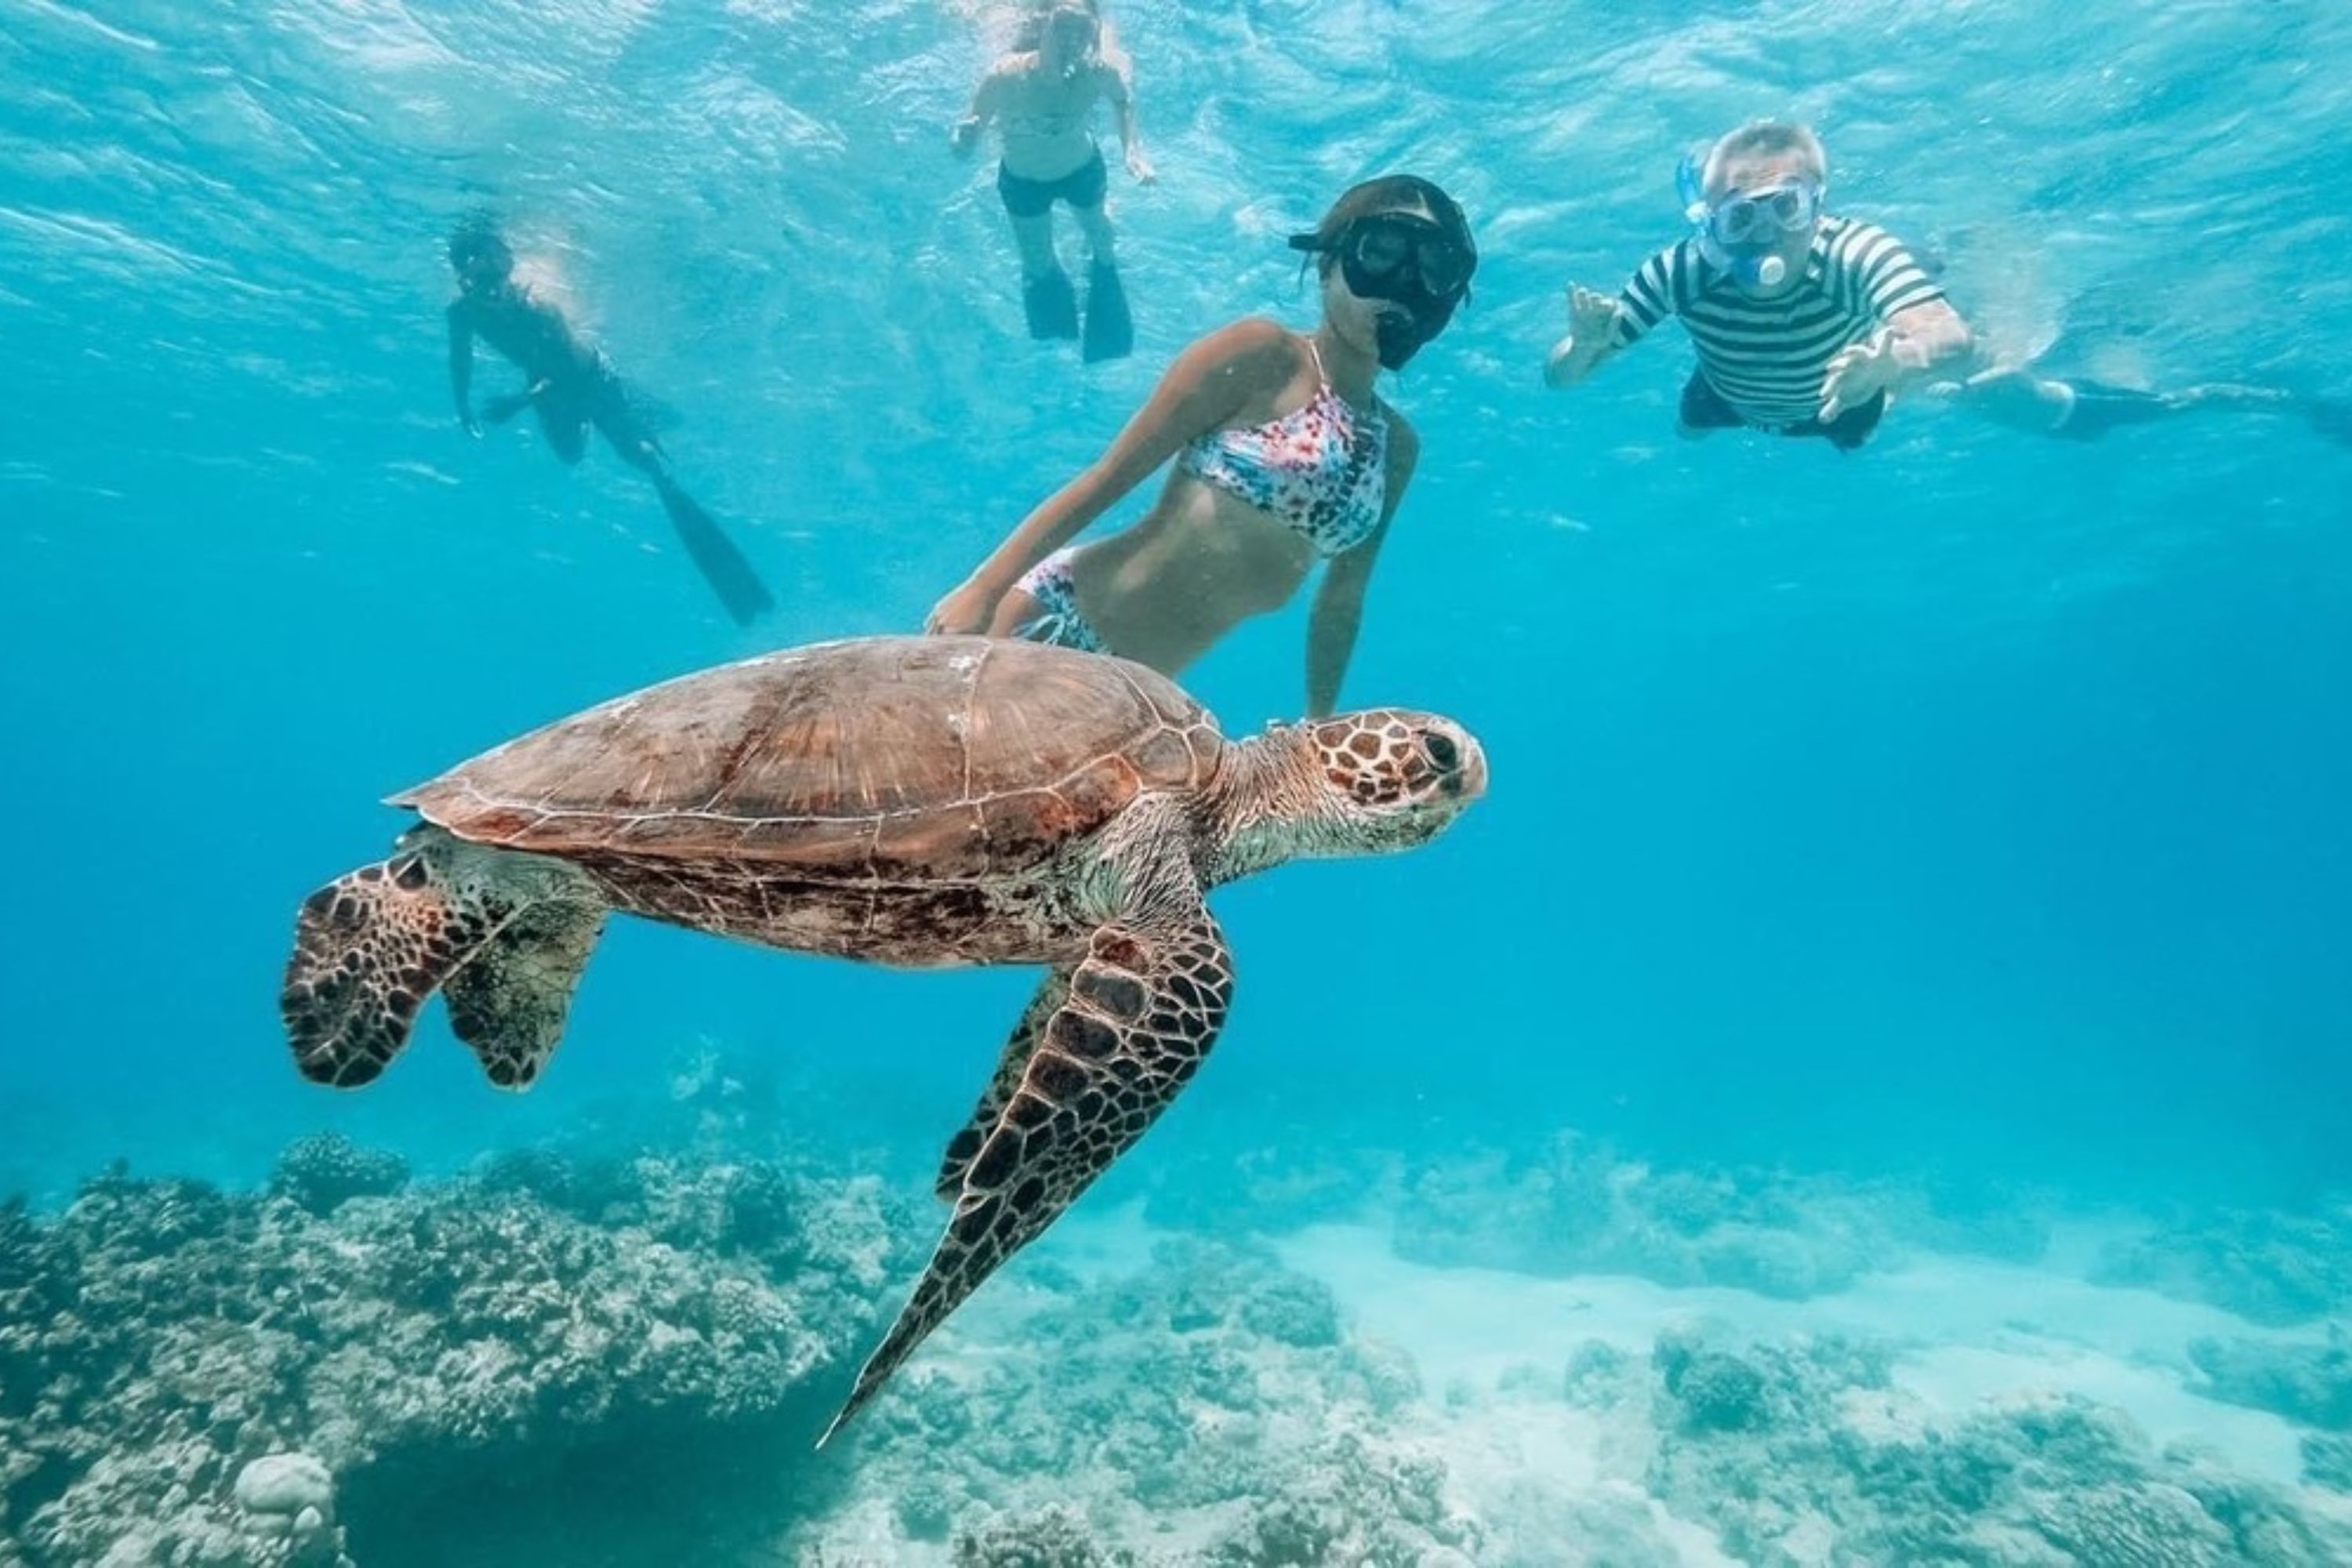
1443 752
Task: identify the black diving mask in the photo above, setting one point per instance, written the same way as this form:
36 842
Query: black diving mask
1406 260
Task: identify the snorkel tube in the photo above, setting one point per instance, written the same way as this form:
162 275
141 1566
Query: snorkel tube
1754 271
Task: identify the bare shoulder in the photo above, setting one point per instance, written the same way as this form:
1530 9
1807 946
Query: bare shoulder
1257 347
1007 74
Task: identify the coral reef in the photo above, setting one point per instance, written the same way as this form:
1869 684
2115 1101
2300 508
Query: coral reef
1574 1208
1054 1536
323 1172
288 1501
2311 1383
1804 1452
194 1377
1211 1409
2275 1268
1572 1204
2327 1462
607 1357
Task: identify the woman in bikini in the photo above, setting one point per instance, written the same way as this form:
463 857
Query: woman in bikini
1284 456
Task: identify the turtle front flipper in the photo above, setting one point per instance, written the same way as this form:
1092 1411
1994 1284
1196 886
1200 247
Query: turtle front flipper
1009 1068
1136 1021
368 948
509 1000
372 945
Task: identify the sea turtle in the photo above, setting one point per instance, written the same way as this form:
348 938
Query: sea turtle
910 801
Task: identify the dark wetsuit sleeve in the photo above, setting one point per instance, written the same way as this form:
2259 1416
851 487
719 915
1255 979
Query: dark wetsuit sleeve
461 356
2098 407
1656 291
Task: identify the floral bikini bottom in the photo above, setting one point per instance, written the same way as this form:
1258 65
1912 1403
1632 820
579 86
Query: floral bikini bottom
1058 621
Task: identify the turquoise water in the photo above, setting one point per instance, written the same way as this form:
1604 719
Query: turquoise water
1966 816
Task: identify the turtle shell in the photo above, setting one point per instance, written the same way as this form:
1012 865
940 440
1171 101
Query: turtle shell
886 759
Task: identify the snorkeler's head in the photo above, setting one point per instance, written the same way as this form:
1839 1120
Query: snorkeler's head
1755 198
1068 34
478 254
1400 241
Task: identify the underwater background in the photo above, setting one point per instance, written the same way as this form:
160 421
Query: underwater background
1870 1083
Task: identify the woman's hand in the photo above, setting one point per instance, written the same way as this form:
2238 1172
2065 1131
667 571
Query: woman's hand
965 611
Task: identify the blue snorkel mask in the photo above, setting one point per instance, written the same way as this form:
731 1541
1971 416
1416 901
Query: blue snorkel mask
1745 220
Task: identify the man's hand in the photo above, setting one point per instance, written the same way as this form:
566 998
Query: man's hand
1862 371
1140 168
1591 337
963 134
1591 318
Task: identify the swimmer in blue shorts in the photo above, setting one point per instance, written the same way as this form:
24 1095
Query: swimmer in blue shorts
1040 98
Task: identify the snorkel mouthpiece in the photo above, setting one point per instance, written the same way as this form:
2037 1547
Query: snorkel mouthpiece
1399 336
1766 270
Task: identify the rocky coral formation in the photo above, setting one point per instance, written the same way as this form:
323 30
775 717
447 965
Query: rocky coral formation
1573 1208
323 1172
287 1503
1211 1409
1804 1452
2327 1462
1054 1536
2275 1268
2310 1384
191 1377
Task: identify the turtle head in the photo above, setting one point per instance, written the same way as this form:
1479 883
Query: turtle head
1358 784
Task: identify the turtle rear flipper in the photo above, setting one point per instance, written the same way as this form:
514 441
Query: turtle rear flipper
372 944
509 999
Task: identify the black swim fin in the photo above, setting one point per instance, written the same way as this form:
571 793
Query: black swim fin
726 568
1051 305
1110 331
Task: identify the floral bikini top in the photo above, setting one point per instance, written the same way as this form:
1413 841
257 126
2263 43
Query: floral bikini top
1321 468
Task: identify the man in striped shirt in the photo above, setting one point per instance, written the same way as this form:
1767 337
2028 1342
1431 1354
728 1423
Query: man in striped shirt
1805 324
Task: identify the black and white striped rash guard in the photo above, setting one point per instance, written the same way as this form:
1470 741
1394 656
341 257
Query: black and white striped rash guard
1766 357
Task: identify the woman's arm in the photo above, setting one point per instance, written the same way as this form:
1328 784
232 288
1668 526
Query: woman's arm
1338 607
1130 143
985 99
1207 385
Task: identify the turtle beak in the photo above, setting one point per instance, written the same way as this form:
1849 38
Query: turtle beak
1460 761
1468 782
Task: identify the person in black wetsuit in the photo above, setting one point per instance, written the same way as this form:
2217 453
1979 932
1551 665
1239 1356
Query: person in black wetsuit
2077 408
1041 97
572 387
